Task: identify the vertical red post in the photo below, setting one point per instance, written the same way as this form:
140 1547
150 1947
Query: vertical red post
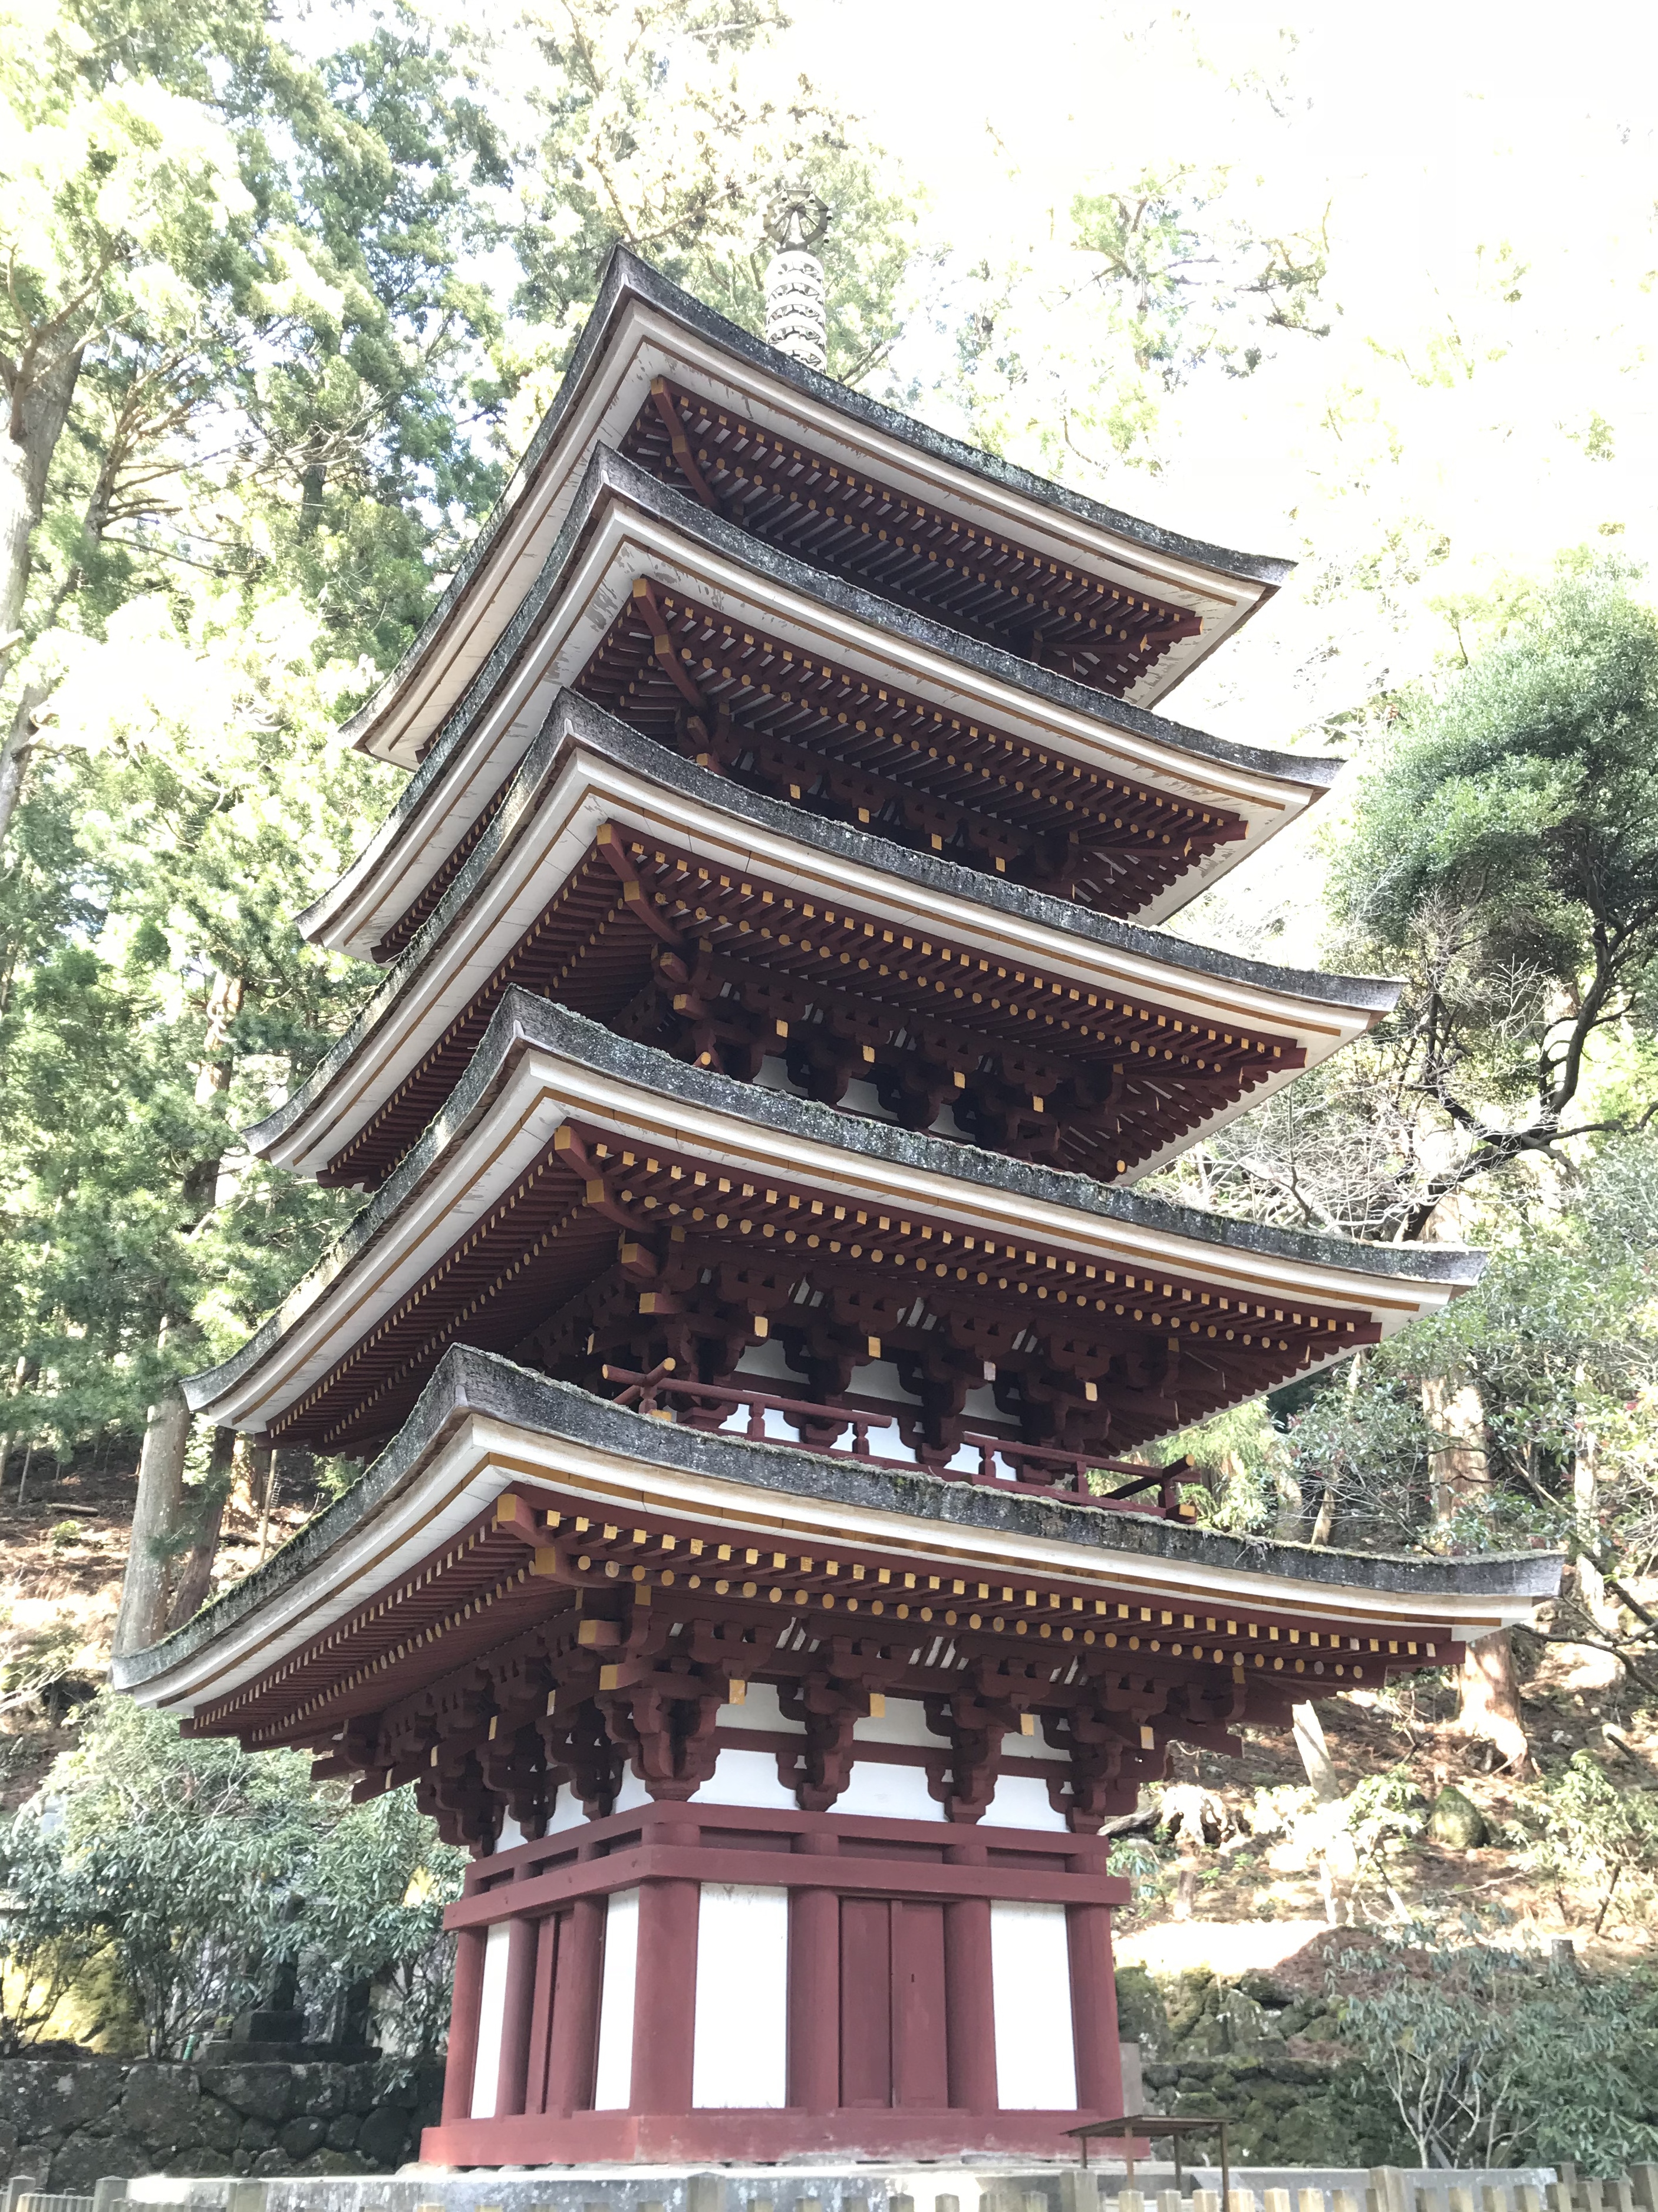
516 2015
1093 2011
464 2024
970 1995
921 2043
664 1996
541 2008
573 2037
815 1987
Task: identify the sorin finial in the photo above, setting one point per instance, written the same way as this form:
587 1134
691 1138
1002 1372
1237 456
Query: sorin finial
797 321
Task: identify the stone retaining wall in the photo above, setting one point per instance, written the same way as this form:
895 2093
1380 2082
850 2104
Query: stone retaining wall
68 2121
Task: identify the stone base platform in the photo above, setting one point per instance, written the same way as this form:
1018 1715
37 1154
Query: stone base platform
982 2185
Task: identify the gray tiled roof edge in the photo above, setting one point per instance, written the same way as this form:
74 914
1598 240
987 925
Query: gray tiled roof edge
612 472
521 1021
466 1381
592 725
624 273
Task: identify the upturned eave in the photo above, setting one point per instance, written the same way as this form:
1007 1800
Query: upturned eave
642 326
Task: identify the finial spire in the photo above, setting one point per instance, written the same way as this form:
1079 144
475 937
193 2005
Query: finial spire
797 320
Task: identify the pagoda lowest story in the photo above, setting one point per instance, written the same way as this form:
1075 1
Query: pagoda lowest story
753 1335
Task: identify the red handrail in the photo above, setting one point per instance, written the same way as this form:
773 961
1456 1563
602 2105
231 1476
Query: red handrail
646 1394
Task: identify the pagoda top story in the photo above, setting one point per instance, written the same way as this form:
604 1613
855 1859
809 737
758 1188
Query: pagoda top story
918 517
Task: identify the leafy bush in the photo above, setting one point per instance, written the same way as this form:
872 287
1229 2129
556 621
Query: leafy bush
1587 1835
48 1927
204 1870
1495 2055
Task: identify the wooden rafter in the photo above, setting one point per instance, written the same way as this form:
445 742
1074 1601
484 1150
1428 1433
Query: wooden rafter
979 581
1034 1066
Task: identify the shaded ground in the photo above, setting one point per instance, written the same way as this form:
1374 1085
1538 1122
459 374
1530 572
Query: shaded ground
63 1552
1259 1901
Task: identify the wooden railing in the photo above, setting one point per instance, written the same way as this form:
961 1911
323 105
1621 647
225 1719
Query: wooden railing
1033 1470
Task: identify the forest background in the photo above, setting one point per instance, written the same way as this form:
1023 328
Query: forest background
288 289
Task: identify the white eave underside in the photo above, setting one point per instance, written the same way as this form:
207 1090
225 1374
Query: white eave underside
645 342
625 543
433 1202
481 1458
466 941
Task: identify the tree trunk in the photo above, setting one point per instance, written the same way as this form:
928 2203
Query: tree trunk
143 1616
1458 1469
196 1578
263 1480
1292 1506
213 1074
15 753
1490 1699
1315 1752
37 397
1596 1669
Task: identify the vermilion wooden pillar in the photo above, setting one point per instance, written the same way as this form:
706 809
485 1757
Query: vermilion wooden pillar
550 1933
969 2001
888 1989
664 1996
516 2016
573 2039
469 1946
815 1988
1094 2009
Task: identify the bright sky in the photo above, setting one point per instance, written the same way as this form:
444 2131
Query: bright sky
1485 397
1450 140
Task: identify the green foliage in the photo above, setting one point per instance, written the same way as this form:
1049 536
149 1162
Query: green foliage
1523 796
203 1870
656 125
1066 350
48 1927
1504 846
1495 2056
201 796
271 287
1591 1837
1239 1457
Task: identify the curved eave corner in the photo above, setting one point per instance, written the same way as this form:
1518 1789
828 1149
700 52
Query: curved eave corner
523 1023
610 479
576 728
626 279
468 1385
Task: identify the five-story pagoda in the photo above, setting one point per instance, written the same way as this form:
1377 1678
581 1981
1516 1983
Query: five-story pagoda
749 1316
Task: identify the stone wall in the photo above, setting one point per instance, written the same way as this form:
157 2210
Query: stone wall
68 2121
1264 2056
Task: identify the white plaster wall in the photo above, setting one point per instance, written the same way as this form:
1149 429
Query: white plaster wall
567 1810
1021 1802
898 1793
632 1794
614 2076
492 2013
740 2049
903 1722
759 1709
1036 1745
1030 1981
745 1777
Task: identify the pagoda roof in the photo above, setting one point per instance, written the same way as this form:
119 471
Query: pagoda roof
440 1510
645 332
624 527
493 1213
587 772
